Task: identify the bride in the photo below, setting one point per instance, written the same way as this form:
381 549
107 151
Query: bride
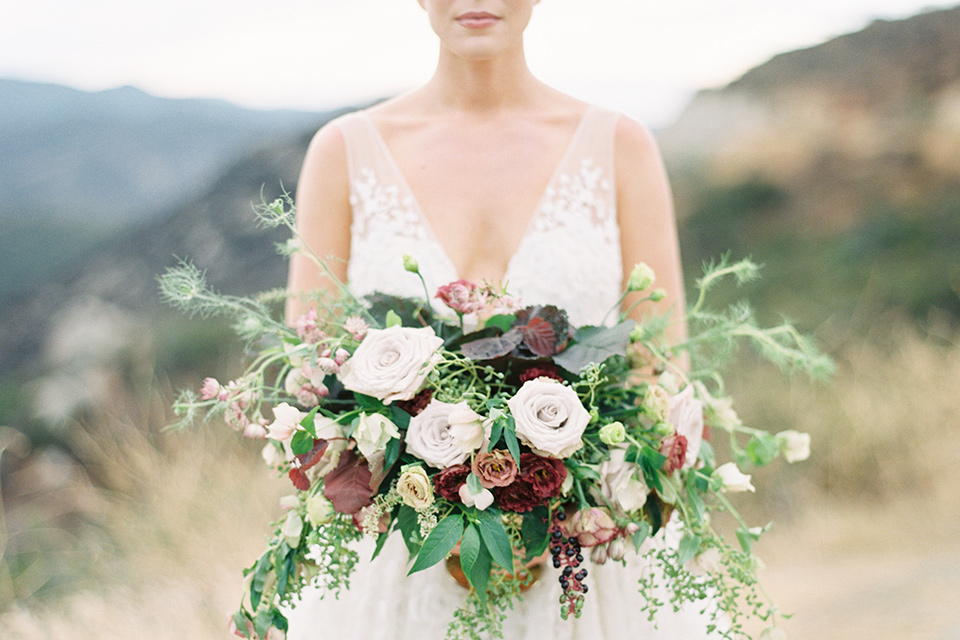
486 174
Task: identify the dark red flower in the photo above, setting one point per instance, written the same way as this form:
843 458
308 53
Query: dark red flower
449 481
675 448
417 403
546 370
539 479
545 475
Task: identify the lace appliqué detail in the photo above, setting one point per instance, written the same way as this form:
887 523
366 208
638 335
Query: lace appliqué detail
571 254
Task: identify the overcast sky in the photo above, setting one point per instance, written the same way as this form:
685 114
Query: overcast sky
643 57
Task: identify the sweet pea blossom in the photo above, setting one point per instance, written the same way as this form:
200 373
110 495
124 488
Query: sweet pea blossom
480 500
621 484
686 416
794 445
733 479
286 423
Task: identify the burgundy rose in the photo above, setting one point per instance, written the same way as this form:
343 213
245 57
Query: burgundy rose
495 468
417 403
449 481
675 448
546 370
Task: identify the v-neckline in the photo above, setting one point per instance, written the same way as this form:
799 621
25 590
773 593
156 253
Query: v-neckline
404 185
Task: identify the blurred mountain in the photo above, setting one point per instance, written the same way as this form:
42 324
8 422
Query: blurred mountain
838 166
77 166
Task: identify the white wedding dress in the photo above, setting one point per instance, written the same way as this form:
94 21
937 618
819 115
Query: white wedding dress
570 256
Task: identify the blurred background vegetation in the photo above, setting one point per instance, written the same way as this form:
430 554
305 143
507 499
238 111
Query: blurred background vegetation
836 167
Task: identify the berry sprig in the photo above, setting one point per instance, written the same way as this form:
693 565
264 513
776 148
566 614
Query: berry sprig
567 556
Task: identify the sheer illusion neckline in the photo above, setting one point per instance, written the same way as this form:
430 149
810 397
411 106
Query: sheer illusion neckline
425 221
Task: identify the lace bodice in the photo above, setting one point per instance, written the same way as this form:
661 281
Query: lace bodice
569 255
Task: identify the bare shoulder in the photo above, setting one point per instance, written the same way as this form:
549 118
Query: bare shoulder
635 144
327 148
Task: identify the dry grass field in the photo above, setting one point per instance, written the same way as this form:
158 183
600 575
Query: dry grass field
143 534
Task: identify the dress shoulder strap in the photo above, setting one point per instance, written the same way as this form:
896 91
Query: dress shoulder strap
595 140
366 151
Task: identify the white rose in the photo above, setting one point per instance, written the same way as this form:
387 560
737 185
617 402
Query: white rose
415 488
794 445
432 438
373 433
620 485
686 416
391 364
549 416
287 422
466 425
733 479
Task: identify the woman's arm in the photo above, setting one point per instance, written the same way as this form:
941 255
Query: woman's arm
648 228
323 218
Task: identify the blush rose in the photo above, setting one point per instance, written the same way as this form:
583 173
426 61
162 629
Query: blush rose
549 416
391 364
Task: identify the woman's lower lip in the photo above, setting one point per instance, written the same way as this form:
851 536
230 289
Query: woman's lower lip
477 23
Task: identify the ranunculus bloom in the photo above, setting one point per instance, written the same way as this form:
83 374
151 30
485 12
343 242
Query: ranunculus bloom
415 488
621 484
286 423
448 482
480 500
794 445
675 448
592 526
462 296
441 443
549 416
391 364
733 479
373 432
686 416
495 468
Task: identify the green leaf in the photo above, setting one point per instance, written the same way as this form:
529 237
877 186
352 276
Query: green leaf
288 569
470 546
309 421
392 452
409 529
496 431
535 530
762 449
746 540
502 322
259 579
393 319
510 435
399 417
594 345
495 538
669 488
696 502
473 484
263 621
301 443
480 575
368 403
641 534
439 543
381 540
689 546
240 621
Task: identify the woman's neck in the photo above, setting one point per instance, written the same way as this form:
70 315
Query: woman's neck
484 85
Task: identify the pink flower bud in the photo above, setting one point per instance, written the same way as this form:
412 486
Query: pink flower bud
341 356
210 389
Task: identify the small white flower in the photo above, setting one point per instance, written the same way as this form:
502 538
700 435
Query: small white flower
733 479
292 528
480 500
287 422
794 445
373 433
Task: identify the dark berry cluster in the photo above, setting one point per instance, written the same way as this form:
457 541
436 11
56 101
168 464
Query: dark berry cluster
568 556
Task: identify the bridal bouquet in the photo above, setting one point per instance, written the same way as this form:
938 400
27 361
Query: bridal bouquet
490 435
